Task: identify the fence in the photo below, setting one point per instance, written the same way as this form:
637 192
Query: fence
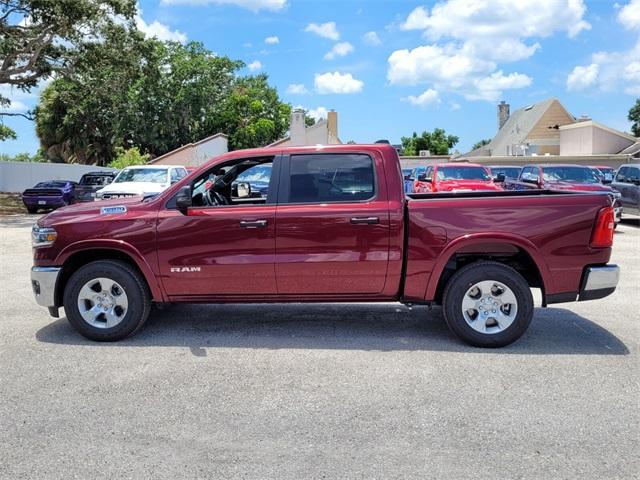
17 176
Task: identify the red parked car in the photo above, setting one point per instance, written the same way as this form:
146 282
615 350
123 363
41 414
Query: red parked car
455 177
334 226
563 177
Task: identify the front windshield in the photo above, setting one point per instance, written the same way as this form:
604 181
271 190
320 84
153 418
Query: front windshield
569 174
95 180
151 175
509 172
260 173
462 173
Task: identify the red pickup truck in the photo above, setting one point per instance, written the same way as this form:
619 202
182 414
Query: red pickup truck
455 177
334 226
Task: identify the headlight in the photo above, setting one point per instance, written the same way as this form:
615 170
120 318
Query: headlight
42 237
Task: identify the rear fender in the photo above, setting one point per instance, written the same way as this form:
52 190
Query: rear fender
480 238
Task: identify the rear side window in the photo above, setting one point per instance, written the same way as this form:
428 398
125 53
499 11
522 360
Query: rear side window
622 174
330 178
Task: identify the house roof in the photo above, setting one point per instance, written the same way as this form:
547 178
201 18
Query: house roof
632 149
591 123
315 126
188 145
516 129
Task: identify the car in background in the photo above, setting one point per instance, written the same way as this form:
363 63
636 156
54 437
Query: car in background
571 177
502 172
49 195
627 182
407 175
604 173
455 177
90 183
144 180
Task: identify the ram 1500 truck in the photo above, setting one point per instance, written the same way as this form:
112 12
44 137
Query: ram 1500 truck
334 226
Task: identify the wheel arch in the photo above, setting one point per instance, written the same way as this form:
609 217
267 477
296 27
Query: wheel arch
514 251
76 256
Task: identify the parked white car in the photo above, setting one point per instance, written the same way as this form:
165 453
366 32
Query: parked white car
145 180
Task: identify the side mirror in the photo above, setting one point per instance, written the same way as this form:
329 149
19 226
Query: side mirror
184 199
530 178
422 177
500 177
244 189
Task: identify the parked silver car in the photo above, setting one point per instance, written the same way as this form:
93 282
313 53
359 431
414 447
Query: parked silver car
627 182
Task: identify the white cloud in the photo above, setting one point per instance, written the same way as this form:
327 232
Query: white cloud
453 68
272 40
469 40
582 77
158 30
297 89
325 30
453 106
339 50
337 82
629 15
255 65
253 5
318 113
371 38
22 101
428 97
463 19
609 71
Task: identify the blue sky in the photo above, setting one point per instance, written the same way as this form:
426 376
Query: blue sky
391 68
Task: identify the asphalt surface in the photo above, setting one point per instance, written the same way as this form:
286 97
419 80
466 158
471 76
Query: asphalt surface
318 391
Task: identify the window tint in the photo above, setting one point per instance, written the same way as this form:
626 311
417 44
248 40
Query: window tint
429 172
622 174
462 173
569 174
330 178
174 175
633 173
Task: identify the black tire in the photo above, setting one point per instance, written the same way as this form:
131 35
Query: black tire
32 210
135 287
470 275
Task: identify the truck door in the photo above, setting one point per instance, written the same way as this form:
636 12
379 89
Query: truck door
332 225
227 248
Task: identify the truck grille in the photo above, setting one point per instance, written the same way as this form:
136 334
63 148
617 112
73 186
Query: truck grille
107 196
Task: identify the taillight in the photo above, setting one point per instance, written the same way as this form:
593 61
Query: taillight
602 235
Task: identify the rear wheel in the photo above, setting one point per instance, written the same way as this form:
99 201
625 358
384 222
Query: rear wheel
488 304
32 209
107 300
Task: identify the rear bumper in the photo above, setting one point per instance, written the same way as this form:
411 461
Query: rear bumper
598 282
43 283
48 201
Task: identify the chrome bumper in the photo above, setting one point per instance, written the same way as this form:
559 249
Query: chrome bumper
43 283
598 282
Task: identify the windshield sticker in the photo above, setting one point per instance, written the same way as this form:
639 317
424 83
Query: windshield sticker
110 210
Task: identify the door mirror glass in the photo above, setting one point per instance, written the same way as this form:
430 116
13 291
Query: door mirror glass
242 190
183 199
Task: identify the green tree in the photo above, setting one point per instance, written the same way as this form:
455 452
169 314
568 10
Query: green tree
22 157
436 142
634 116
126 158
481 143
7 133
129 91
42 37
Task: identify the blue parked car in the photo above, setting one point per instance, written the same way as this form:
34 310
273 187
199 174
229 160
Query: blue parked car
49 195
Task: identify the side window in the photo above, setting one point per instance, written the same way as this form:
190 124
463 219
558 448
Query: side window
174 175
324 178
181 173
429 172
622 174
633 174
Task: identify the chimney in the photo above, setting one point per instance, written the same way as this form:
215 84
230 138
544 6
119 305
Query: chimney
332 128
503 113
297 128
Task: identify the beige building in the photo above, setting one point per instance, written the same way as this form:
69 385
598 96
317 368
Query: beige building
592 138
195 154
323 132
533 129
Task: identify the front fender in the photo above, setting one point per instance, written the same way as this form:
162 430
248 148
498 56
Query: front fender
118 246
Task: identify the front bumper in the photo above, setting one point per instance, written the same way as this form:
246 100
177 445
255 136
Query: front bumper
43 283
598 282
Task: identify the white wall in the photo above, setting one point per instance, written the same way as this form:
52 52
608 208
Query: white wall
17 176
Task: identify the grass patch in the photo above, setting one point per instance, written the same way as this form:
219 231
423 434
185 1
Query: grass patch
11 203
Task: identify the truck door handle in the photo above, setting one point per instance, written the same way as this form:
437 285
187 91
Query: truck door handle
365 220
253 223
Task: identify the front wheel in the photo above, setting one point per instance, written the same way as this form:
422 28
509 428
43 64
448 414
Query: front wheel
107 300
488 304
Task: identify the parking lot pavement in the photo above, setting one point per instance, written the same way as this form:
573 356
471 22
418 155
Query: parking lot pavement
318 391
